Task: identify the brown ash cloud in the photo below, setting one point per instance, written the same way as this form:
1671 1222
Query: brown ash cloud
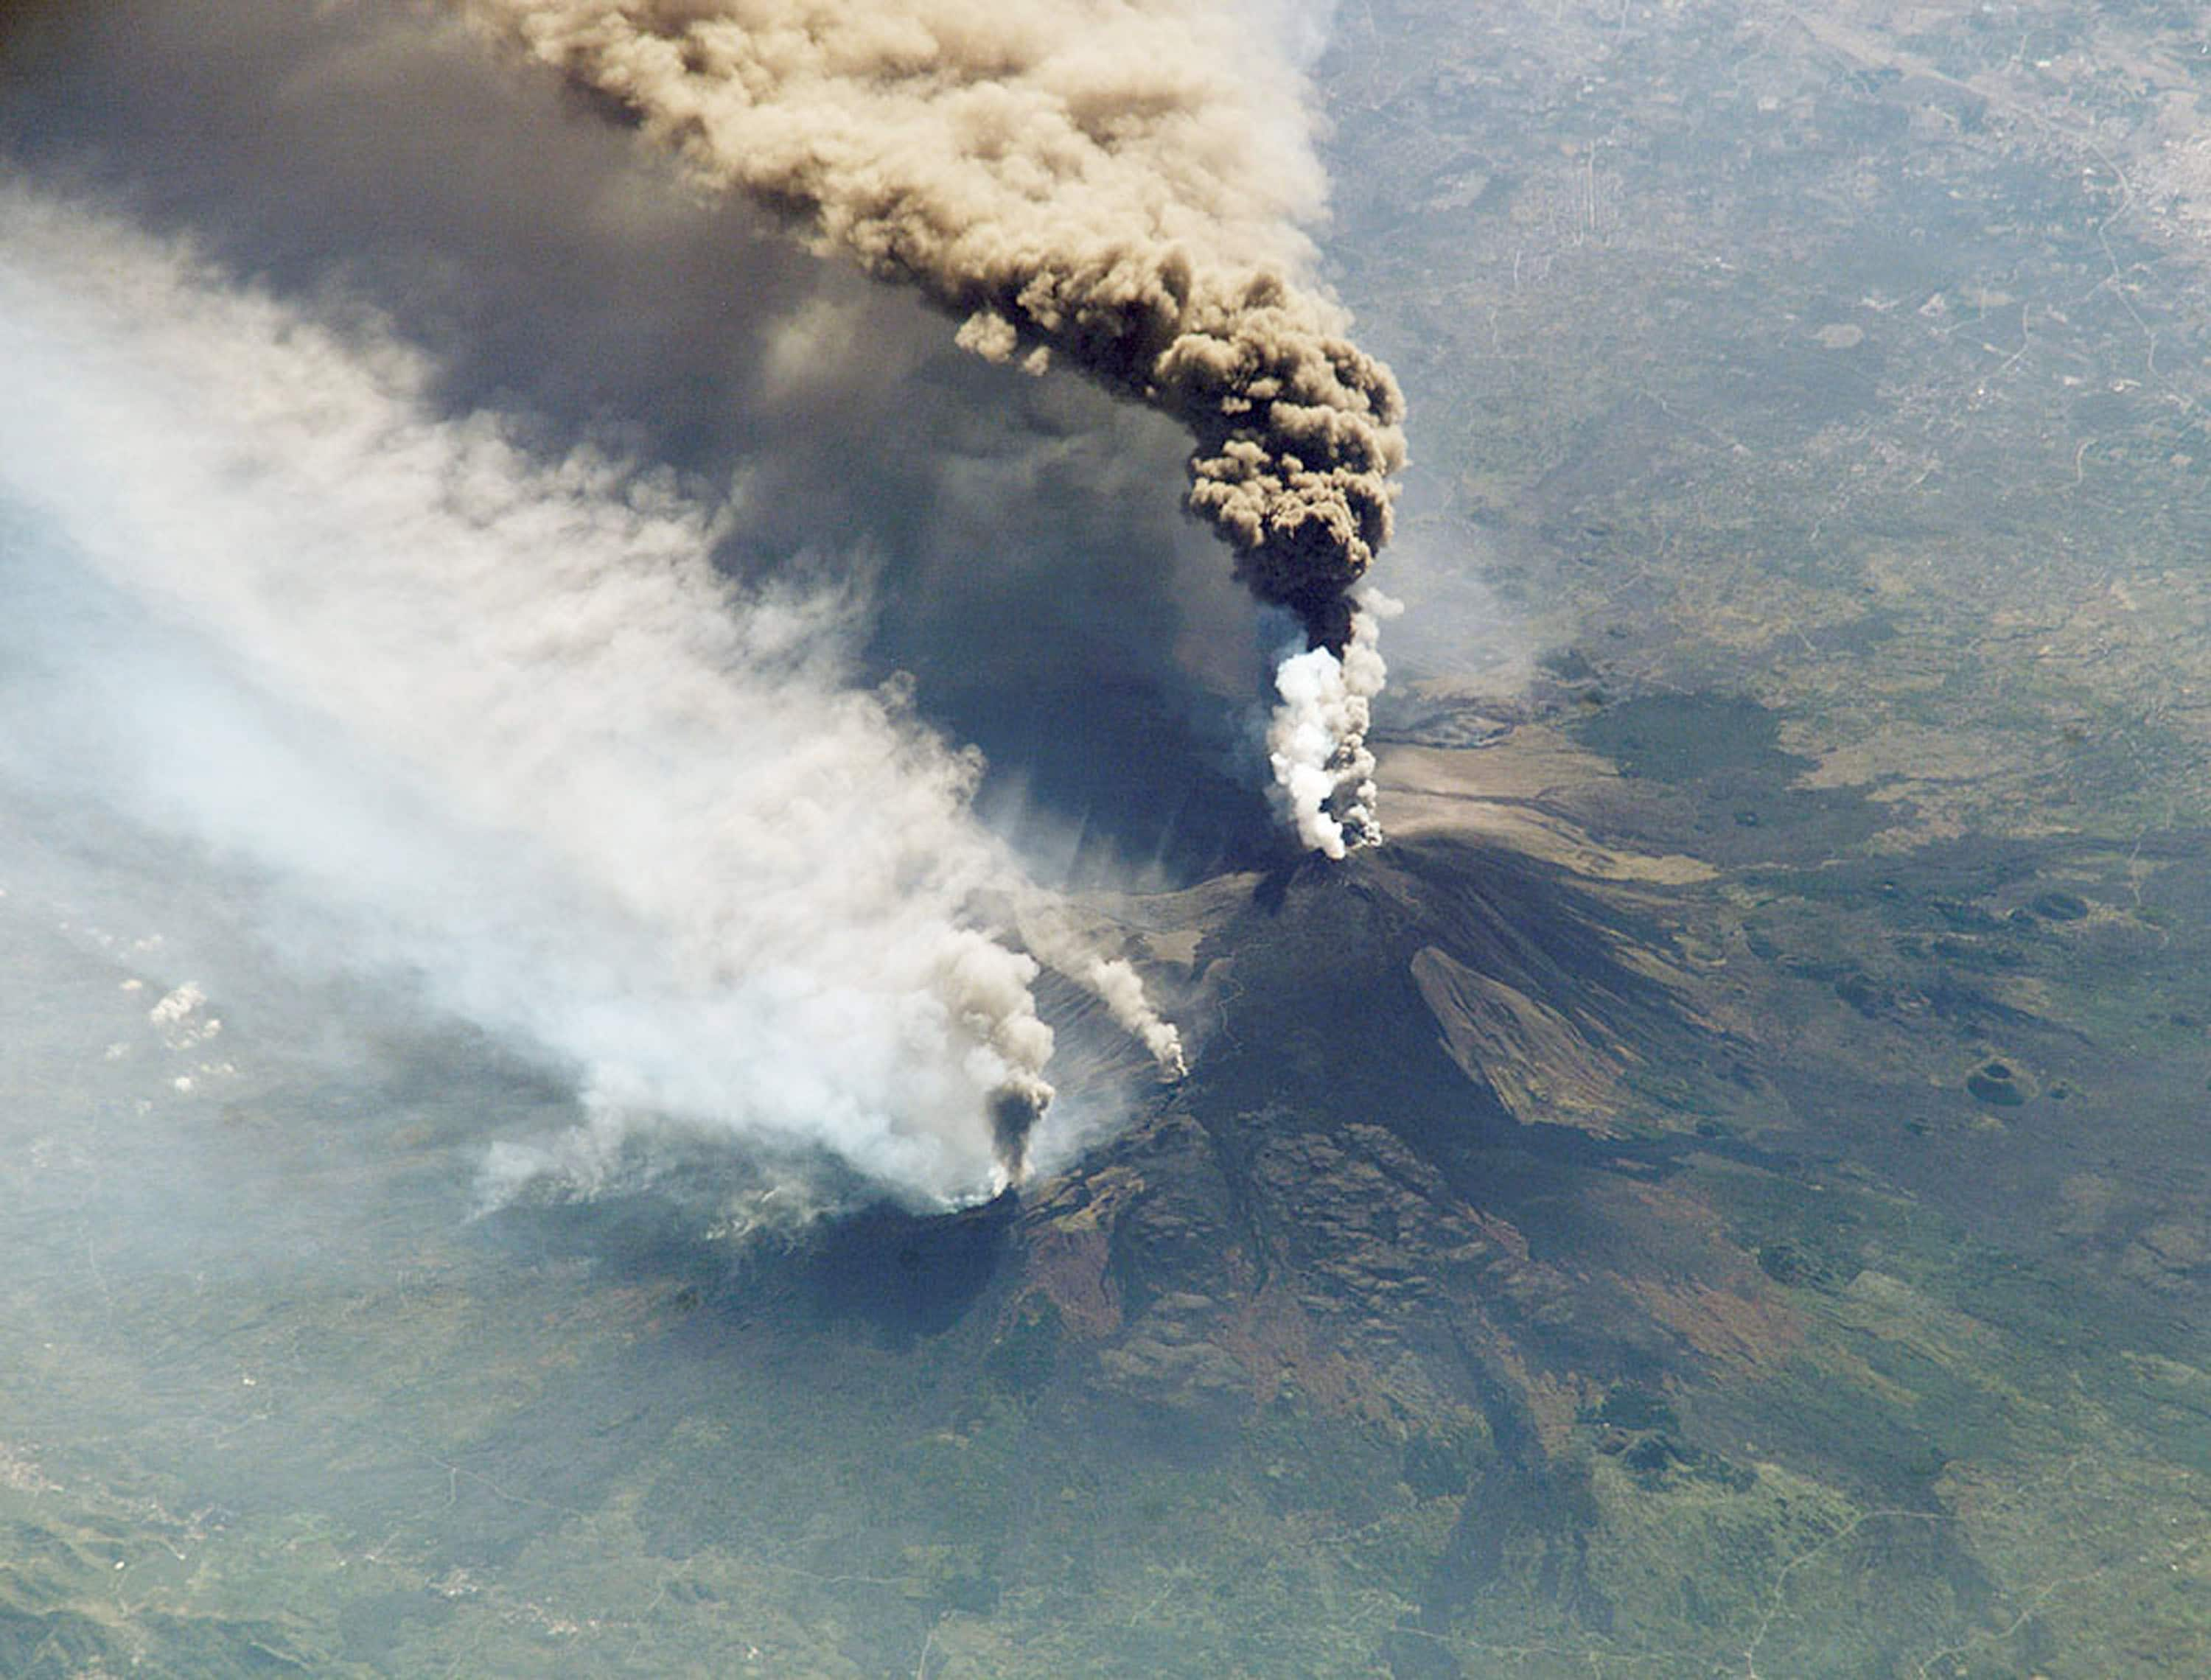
1120 186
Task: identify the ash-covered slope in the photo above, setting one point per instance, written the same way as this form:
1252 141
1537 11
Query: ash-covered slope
1440 1184
1386 1188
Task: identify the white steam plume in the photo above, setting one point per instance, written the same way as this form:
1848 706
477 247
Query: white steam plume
1317 741
1116 182
489 724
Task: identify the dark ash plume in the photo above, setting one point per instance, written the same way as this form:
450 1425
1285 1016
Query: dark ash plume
1117 185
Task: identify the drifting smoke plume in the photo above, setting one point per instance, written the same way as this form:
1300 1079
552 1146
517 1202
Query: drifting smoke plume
1115 184
1046 930
491 724
1122 991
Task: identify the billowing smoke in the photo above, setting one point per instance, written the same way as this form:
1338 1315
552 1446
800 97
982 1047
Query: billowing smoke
492 726
1116 184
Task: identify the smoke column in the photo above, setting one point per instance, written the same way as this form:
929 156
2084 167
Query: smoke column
1317 743
1116 184
491 725
1046 930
